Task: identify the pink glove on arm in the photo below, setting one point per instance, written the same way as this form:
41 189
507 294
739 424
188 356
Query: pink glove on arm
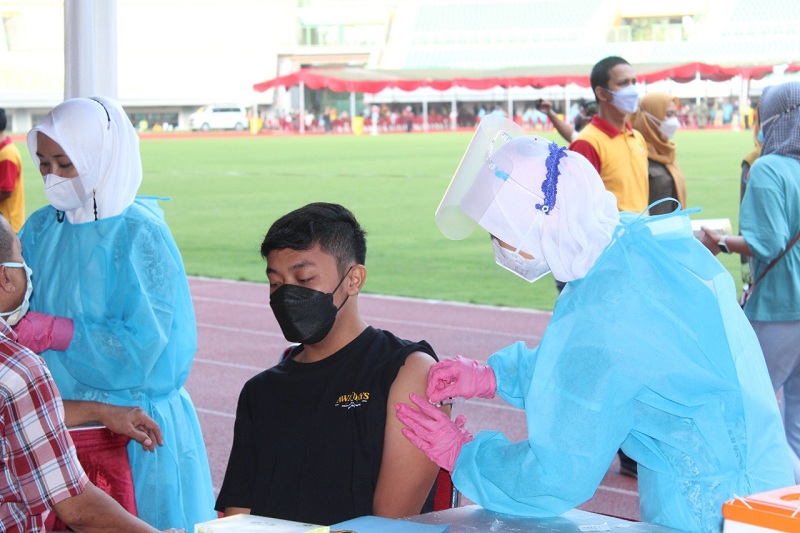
432 431
459 377
39 332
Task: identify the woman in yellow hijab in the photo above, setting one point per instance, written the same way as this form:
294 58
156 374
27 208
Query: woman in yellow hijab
657 120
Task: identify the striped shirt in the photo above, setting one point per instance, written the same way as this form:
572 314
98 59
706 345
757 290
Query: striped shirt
38 463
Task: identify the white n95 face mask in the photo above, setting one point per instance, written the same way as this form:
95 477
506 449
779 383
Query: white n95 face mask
626 100
528 269
669 127
666 127
65 194
12 317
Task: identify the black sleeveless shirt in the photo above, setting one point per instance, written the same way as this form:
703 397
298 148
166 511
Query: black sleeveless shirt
308 438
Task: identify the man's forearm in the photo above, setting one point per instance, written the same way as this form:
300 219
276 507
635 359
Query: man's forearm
77 413
94 511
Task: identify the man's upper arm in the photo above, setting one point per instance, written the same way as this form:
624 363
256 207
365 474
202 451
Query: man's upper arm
588 151
406 474
40 447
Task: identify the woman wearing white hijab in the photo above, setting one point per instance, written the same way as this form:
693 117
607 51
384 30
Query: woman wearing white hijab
107 260
647 351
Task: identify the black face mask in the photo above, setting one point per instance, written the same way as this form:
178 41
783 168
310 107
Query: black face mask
304 315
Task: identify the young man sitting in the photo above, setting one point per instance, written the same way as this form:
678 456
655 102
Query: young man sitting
316 439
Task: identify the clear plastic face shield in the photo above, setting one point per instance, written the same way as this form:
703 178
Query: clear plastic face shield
544 202
486 191
512 200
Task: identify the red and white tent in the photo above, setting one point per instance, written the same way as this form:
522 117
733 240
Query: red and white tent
372 81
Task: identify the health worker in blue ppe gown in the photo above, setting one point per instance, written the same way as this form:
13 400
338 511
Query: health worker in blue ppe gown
647 350
106 259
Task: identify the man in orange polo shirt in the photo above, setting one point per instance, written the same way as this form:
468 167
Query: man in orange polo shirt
12 194
617 151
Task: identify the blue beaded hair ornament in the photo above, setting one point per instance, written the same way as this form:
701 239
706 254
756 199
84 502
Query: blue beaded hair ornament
550 183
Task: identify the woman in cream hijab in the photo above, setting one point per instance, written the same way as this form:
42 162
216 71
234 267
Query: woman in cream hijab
106 259
657 121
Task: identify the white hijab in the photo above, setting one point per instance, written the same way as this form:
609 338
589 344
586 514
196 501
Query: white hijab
500 188
97 136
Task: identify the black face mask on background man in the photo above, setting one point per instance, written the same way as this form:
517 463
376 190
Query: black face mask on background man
305 315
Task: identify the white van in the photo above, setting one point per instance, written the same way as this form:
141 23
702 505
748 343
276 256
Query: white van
218 117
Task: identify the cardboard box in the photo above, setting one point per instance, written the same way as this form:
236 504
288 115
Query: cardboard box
776 510
243 523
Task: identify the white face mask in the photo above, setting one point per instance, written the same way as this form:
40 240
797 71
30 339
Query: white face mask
12 317
528 269
626 100
65 194
667 127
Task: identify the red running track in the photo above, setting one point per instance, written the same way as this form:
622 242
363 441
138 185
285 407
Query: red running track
239 337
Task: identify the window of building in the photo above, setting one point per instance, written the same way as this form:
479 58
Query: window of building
660 29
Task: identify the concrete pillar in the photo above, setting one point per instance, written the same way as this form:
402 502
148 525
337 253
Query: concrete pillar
90 48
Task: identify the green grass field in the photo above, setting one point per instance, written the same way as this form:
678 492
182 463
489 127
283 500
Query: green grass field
227 191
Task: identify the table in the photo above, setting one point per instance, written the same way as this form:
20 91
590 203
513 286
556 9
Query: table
476 519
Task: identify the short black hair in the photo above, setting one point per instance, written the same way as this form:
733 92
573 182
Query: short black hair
589 108
600 76
6 241
332 226
3 119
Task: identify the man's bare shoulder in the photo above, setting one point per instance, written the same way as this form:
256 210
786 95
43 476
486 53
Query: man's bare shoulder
414 370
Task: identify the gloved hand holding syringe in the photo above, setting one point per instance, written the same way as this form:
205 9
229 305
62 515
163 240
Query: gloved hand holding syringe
457 379
451 401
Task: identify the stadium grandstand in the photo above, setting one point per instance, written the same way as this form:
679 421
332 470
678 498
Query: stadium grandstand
511 33
171 60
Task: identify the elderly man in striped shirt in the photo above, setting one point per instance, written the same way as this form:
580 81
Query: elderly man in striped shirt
39 469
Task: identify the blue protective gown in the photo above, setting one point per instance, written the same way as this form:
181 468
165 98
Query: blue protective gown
122 281
648 352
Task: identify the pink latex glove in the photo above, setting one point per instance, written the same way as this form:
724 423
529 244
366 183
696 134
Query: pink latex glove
39 332
459 377
432 431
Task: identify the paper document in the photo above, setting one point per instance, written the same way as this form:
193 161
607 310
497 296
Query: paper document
720 225
245 523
